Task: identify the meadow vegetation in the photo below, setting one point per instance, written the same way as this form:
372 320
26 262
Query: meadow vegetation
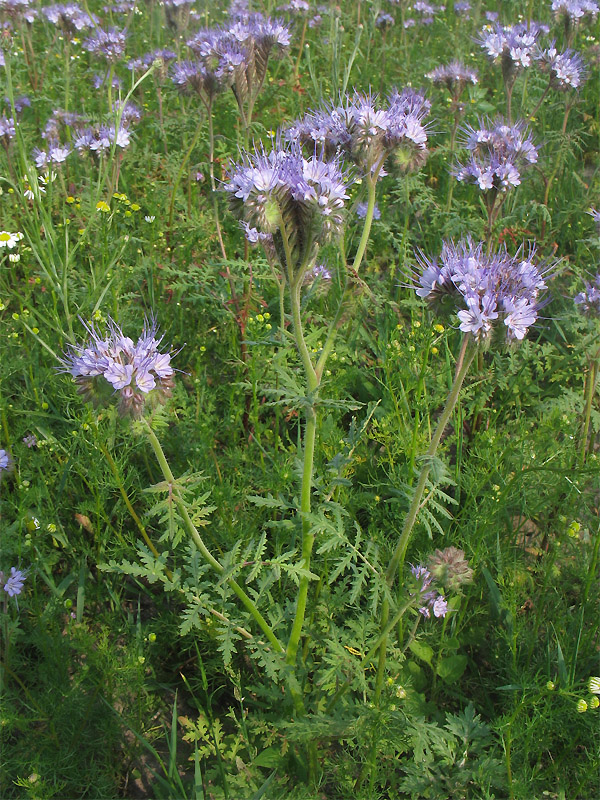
299 399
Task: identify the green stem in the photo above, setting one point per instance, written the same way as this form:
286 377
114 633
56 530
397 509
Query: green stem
193 531
115 471
211 169
310 434
462 367
590 385
371 179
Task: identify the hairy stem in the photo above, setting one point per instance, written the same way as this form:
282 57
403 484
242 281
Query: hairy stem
195 535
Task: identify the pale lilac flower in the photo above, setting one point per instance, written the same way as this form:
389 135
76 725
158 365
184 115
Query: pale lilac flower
453 76
19 9
115 366
439 606
20 103
384 21
283 189
6 462
499 153
14 584
368 133
30 440
595 215
514 45
320 272
108 43
462 7
589 299
7 129
102 80
575 10
361 211
494 287
69 17
567 69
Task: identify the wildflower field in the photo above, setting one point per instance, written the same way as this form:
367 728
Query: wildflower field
299 399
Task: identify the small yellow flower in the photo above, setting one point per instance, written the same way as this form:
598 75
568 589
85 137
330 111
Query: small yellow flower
102 206
70 199
438 328
135 207
434 351
35 331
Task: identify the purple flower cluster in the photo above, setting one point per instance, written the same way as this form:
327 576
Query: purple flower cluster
513 45
20 103
55 153
367 133
432 600
499 153
115 365
7 129
13 585
296 7
282 190
19 9
69 17
589 300
384 21
575 10
108 43
193 76
6 462
101 138
146 61
237 55
567 69
454 76
494 287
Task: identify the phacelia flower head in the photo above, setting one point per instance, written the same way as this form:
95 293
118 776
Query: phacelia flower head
6 463
589 300
450 568
238 54
282 193
18 9
69 17
499 154
7 129
575 11
193 76
454 76
366 132
491 293
431 599
384 21
567 69
113 366
513 46
108 43
13 585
